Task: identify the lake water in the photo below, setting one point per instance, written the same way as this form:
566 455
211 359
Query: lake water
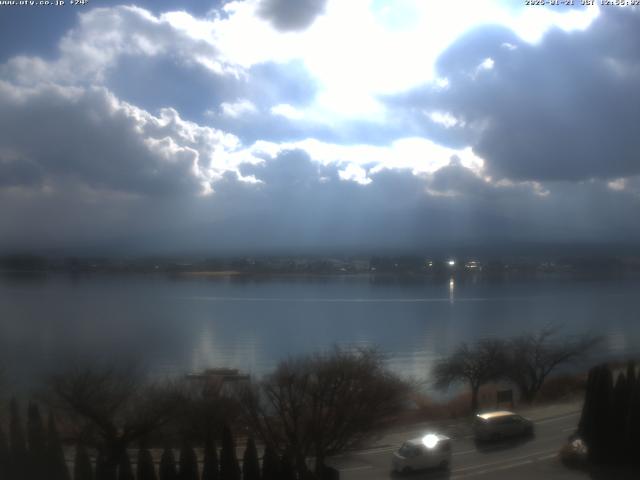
175 325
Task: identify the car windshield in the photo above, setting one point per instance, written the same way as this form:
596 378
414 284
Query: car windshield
409 450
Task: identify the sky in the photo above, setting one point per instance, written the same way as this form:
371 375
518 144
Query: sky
164 126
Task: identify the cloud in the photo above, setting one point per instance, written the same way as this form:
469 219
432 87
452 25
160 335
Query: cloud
144 175
171 60
288 15
298 201
15 169
563 109
102 37
416 154
291 200
238 109
52 135
165 133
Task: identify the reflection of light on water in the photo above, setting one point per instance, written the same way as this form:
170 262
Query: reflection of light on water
616 341
203 355
211 352
452 288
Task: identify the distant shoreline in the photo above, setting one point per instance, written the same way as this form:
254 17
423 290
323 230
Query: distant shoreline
402 277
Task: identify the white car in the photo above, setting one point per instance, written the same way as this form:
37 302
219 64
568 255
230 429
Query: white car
432 450
501 424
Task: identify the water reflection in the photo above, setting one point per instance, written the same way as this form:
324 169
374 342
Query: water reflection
175 326
617 341
452 289
203 355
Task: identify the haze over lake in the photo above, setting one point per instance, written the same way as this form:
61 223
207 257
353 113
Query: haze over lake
178 325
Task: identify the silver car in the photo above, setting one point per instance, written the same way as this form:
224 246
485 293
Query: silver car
501 424
432 450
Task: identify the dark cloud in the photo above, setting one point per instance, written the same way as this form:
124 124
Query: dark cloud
61 134
299 203
15 170
455 179
304 204
168 81
150 82
564 109
290 15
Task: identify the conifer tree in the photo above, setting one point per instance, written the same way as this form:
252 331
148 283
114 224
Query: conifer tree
631 373
287 471
619 417
188 463
103 469
82 469
168 469
633 425
586 424
210 469
600 436
145 469
250 463
125 472
18 461
55 453
270 464
4 455
37 443
229 468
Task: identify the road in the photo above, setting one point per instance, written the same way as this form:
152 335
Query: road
522 459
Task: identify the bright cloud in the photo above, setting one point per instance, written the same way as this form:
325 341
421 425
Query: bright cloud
238 109
416 154
362 48
287 111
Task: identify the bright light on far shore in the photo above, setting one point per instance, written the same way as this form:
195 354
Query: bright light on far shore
430 440
451 263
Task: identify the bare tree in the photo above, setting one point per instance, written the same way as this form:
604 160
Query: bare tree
475 365
532 357
111 408
323 404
